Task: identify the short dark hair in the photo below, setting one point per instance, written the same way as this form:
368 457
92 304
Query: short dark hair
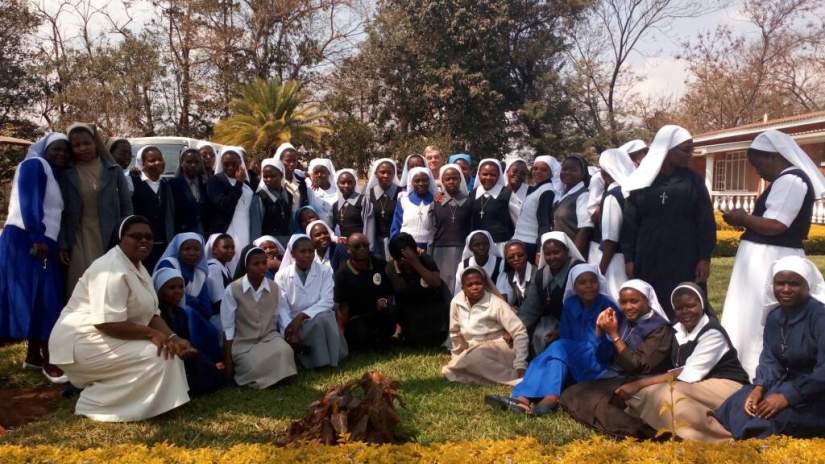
399 243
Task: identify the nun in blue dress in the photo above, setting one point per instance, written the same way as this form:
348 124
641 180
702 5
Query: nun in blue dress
31 284
204 375
788 395
186 254
580 354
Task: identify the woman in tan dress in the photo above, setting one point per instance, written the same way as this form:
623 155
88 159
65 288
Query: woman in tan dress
255 353
111 341
489 342
96 197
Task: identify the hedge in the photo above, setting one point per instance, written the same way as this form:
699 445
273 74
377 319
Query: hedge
521 450
727 241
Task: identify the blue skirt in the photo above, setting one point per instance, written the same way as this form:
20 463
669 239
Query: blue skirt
31 295
562 363
801 421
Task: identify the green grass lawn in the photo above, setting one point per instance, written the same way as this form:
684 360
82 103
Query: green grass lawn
436 410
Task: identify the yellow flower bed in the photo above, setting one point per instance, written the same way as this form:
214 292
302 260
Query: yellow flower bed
521 450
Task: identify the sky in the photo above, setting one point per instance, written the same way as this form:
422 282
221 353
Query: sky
655 60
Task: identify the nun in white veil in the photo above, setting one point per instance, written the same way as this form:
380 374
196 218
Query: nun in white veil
380 197
636 150
240 223
322 188
668 231
536 213
616 166
776 229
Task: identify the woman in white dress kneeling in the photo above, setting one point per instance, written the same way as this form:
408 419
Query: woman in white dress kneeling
111 341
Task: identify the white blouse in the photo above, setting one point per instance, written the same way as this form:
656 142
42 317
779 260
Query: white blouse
786 198
708 351
229 305
312 297
612 217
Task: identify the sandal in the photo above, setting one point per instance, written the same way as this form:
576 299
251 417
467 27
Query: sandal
505 403
539 410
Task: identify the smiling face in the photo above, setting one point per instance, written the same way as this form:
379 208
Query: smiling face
555 254
385 173
451 181
516 257
224 249
421 184
136 241
473 285
290 159
272 177
571 172
540 172
586 287
488 175
153 164
790 289
688 309
83 145
303 253
231 162
171 292
346 184
516 175
634 305
434 159
57 154
190 252
269 248
320 236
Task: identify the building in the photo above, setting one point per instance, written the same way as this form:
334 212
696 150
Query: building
731 180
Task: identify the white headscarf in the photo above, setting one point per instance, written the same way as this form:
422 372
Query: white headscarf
52 198
555 169
778 142
633 146
354 175
805 268
561 237
164 275
372 181
467 253
282 148
288 260
462 189
667 138
208 248
500 183
268 238
333 178
649 293
277 164
218 168
405 171
579 269
617 164
416 171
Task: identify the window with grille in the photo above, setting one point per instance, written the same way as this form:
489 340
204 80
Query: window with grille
730 172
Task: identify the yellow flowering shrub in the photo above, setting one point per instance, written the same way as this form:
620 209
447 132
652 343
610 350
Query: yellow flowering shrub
727 240
521 450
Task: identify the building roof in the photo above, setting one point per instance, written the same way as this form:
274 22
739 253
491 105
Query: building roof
794 125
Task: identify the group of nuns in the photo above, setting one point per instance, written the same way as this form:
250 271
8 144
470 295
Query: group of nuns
582 287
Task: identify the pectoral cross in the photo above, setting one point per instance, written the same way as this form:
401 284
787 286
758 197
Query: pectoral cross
663 196
481 215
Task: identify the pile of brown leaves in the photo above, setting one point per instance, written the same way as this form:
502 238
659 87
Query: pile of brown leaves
360 410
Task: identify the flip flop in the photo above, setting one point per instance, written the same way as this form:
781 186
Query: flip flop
505 403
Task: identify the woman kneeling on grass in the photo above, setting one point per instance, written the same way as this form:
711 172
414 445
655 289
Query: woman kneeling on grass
706 372
596 342
489 342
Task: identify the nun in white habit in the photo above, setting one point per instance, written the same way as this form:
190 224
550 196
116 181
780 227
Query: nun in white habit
412 210
305 307
536 215
322 188
616 166
668 231
492 202
518 190
776 228
480 250
636 150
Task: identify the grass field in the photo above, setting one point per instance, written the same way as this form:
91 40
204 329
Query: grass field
436 410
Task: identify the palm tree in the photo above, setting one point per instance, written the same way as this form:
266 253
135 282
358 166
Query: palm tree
269 113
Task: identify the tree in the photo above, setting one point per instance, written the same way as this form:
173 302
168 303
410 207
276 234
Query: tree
601 46
17 86
780 72
269 113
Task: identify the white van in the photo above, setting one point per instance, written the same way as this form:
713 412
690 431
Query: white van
170 147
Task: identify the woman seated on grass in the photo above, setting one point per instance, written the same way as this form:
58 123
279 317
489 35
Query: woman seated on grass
581 353
642 342
541 309
305 307
706 372
787 395
274 254
203 375
328 251
489 343
255 353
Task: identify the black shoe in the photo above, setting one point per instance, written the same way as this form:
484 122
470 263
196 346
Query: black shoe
505 403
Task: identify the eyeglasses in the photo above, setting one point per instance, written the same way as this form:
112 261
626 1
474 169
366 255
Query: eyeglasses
138 237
